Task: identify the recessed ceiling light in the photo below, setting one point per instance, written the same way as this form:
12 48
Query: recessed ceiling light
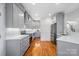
49 14
57 3
33 3
36 14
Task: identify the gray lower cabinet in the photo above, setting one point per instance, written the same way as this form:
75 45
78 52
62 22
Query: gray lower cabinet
67 48
17 47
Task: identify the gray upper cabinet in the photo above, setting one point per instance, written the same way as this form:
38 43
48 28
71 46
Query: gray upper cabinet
9 14
18 17
60 23
14 16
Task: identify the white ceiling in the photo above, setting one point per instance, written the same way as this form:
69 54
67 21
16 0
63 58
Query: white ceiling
44 10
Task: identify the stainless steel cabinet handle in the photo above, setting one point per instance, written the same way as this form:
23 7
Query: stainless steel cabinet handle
0 36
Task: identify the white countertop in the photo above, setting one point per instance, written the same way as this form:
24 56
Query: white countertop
73 38
30 32
16 37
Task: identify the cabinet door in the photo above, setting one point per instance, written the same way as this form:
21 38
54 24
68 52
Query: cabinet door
9 15
18 17
67 48
15 16
13 47
24 45
21 18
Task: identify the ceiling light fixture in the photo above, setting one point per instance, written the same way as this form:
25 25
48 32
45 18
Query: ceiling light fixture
49 14
57 3
36 14
33 3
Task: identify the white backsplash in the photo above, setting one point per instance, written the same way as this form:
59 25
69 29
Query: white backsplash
12 31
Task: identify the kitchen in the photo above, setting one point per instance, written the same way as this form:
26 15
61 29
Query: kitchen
18 36
37 29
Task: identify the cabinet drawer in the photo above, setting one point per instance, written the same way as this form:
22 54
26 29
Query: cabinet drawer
23 43
25 39
24 48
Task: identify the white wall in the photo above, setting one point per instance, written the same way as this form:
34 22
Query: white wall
2 30
73 16
45 29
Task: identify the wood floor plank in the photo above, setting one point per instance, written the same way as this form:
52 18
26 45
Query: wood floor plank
41 48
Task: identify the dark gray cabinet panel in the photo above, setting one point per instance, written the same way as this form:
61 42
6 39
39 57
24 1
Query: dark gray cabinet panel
53 32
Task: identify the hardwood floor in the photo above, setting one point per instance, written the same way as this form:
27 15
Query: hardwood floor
41 48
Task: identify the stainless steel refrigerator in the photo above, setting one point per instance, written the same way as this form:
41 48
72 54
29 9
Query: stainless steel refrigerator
54 33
